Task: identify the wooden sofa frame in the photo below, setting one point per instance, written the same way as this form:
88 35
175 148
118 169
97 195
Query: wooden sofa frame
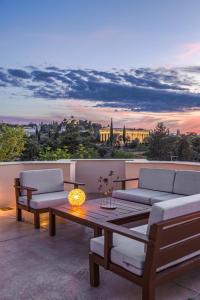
123 181
36 212
166 243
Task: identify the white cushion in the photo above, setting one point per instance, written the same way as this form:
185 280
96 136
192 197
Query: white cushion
164 198
174 208
140 229
137 195
187 182
45 200
45 181
129 253
126 252
156 179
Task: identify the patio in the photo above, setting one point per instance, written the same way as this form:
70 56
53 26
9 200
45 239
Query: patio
36 266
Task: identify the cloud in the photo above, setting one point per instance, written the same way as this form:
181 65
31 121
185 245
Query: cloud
186 121
143 89
190 53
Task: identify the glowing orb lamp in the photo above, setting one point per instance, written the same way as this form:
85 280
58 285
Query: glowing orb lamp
76 197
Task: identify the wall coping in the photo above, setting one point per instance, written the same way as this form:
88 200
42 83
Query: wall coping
37 162
162 162
72 161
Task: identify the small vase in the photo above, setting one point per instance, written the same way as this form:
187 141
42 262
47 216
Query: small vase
108 203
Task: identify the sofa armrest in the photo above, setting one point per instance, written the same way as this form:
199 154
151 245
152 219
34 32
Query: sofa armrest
29 190
75 183
124 180
113 228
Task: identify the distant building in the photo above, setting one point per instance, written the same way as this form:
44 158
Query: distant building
30 131
62 129
71 120
131 134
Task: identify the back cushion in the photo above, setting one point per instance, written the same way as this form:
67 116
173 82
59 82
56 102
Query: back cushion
187 182
46 181
157 179
174 208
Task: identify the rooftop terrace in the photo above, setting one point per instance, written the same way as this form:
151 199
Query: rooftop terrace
34 265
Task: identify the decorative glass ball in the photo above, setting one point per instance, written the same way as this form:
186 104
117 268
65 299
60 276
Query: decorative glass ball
76 197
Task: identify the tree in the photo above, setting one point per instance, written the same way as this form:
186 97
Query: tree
50 154
11 142
195 142
157 142
134 144
111 132
32 148
83 152
124 135
184 149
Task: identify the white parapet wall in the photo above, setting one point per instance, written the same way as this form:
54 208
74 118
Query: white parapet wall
82 170
9 171
89 171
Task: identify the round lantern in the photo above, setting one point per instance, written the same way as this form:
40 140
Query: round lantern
76 197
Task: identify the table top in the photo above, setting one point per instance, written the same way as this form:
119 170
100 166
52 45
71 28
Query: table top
91 211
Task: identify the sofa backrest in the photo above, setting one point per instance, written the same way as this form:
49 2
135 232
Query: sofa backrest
156 179
178 237
187 182
45 181
173 208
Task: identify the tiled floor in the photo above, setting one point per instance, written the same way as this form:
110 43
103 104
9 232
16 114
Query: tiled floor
36 266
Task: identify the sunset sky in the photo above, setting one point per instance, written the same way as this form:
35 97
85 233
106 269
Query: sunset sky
101 35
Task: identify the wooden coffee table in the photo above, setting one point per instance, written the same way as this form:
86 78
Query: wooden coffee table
92 215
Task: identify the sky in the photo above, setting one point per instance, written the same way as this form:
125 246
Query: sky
98 35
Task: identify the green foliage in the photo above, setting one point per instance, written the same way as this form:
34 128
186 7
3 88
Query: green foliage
50 154
134 144
83 152
80 139
157 142
32 149
162 146
122 154
195 142
184 149
11 142
103 151
124 135
111 133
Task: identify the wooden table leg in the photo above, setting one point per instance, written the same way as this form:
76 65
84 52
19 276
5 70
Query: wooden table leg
52 223
97 231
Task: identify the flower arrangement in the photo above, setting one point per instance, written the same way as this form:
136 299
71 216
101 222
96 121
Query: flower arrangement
106 188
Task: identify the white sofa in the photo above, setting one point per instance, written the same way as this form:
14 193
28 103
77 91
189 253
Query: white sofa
37 190
50 188
155 185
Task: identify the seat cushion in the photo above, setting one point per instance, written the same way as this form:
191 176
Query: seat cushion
137 195
140 229
127 253
130 254
45 181
187 182
156 179
164 198
45 200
